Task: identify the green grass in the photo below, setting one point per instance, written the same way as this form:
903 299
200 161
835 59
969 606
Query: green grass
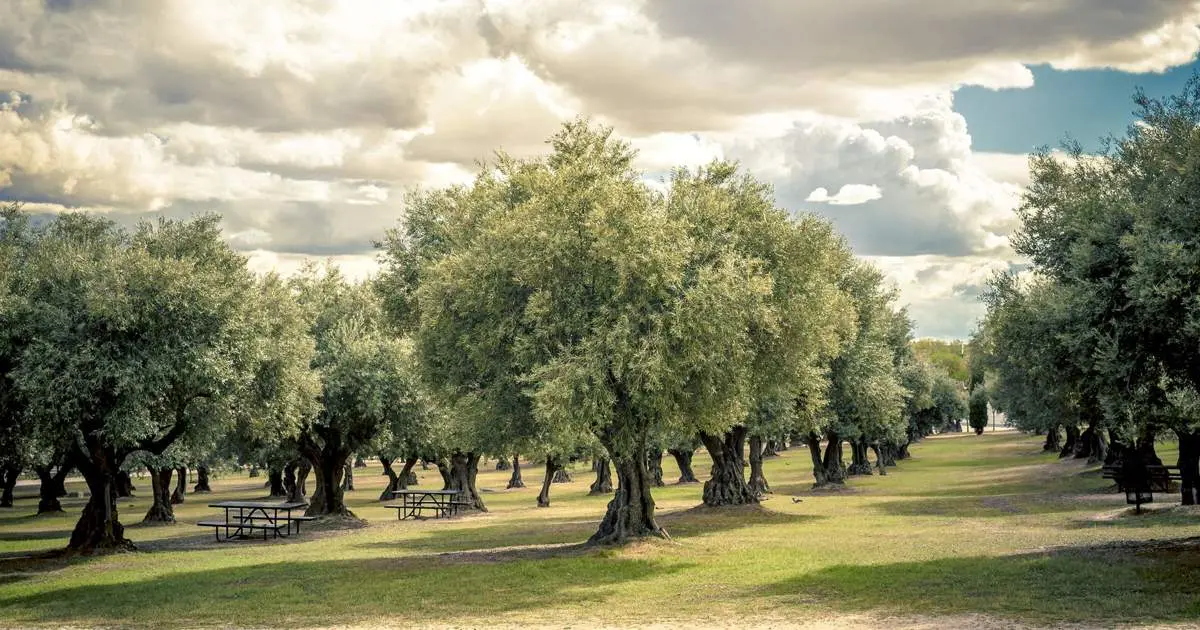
983 525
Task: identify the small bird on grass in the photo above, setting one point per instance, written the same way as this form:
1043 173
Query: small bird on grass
797 500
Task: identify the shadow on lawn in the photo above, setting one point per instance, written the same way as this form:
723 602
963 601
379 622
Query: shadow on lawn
424 589
1099 584
565 532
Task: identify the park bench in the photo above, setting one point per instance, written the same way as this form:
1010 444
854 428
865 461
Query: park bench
1159 478
1139 482
235 529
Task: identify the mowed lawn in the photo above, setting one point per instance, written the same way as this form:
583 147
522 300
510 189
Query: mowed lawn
985 530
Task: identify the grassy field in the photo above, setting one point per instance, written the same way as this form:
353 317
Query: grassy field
982 530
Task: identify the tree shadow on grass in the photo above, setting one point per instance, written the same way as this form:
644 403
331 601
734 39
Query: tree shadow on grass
1100 584
337 592
567 531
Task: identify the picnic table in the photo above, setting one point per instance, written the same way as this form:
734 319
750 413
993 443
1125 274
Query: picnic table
271 518
414 503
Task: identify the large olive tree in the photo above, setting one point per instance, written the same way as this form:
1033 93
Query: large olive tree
135 339
570 289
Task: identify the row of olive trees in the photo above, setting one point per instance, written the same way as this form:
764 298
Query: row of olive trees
157 347
559 302
1100 343
556 306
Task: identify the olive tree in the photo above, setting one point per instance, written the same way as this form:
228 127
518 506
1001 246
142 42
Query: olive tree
570 289
137 338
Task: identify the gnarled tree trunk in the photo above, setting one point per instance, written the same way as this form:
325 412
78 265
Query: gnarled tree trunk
443 467
124 484
880 462
1189 467
327 499
502 463
561 474
727 485
99 527
464 468
683 459
835 470
160 490
8 482
177 496
201 486
52 486
1072 442
654 457
348 477
758 482
275 482
1053 440
603 482
630 514
859 464
771 448
814 450
515 480
553 465
359 462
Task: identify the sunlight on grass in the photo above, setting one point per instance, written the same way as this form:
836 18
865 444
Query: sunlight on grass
986 524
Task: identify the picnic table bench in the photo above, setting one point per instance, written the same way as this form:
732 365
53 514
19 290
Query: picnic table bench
272 519
414 503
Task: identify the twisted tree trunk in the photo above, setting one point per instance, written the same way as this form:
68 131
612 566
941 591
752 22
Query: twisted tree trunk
52 486
879 459
8 483
814 450
99 527
1189 467
443 467
202 486
464 468
124 484
561 474
654 458
630 514
348 477
835 469
603 482
771 449
515 480
683 459
758 482
328 498
160 489
275 482
502 463
1053 440
177 496
552 467
727 485
859 464
1072 442
359 462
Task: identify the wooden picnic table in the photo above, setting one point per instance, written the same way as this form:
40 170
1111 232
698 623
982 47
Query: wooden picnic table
269 517
414 502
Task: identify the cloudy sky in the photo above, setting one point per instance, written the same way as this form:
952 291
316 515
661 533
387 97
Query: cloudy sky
303 121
